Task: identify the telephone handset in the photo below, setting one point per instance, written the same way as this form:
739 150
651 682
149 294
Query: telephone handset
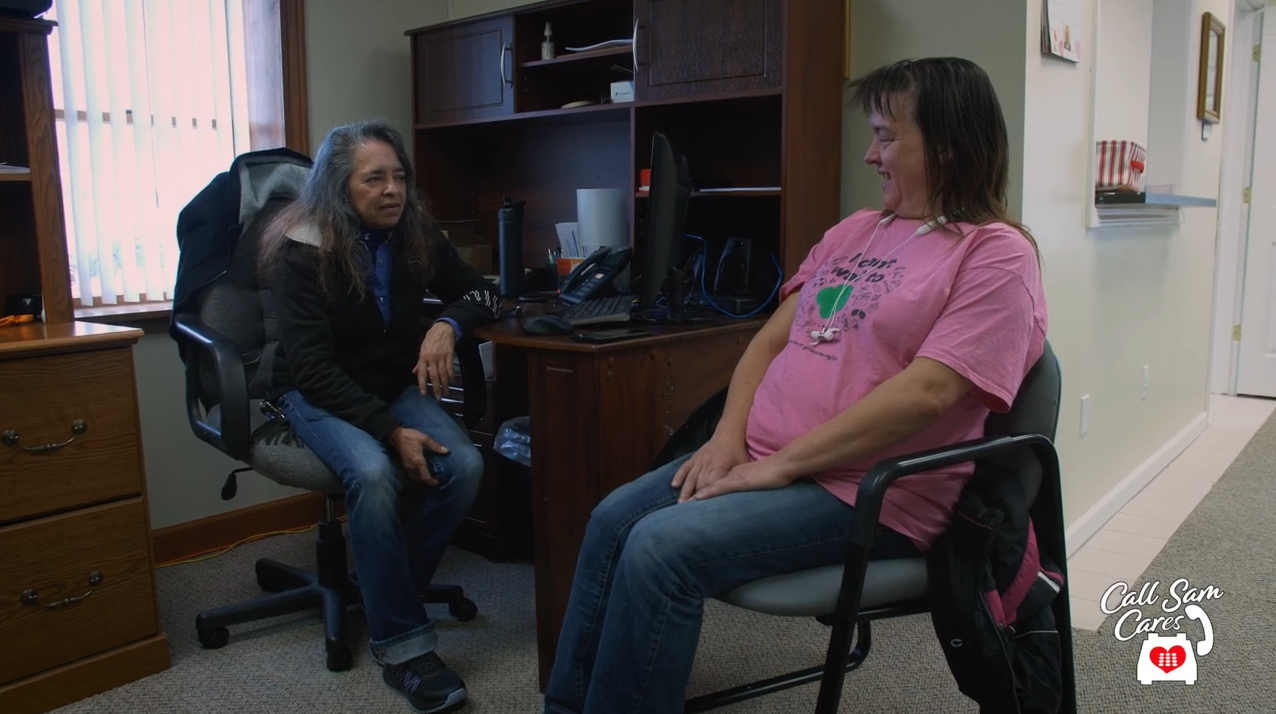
595 274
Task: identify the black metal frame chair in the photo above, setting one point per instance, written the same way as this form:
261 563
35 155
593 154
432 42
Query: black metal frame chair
850 596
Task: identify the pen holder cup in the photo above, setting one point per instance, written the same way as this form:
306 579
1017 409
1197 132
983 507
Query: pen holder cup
567 265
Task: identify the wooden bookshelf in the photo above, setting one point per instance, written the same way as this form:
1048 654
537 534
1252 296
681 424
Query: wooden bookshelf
488 116
32 234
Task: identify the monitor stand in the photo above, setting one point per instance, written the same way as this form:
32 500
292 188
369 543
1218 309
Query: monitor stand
674 312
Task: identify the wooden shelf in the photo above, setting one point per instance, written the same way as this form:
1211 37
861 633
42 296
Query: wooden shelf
584 113
15 178
1133 200
575 57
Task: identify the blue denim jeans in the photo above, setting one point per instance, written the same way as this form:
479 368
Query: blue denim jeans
648 563
398 528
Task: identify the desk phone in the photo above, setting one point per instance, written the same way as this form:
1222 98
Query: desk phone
595 274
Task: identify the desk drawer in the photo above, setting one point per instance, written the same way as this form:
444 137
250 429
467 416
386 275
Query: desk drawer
41 398
55 557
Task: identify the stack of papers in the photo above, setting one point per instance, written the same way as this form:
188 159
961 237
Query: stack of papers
567 240
10 169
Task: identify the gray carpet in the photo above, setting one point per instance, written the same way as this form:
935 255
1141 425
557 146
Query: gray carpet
277 666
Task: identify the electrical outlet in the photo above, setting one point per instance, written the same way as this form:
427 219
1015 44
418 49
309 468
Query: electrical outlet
1085 414
1145 382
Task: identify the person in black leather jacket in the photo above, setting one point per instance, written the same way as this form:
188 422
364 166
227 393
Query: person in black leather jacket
359 377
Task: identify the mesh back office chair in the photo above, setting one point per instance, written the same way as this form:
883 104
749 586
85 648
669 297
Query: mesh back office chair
850 596
230 337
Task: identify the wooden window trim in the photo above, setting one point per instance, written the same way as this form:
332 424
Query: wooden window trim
292 44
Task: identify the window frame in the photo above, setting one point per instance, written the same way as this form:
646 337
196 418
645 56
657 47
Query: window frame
268 34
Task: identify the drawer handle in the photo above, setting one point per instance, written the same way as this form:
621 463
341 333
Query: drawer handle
31 597
10 438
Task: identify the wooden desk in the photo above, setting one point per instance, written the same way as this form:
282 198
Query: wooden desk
599 414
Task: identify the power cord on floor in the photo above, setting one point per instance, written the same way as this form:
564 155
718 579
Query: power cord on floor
217 552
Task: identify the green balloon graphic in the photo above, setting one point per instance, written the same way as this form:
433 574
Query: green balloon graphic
832 299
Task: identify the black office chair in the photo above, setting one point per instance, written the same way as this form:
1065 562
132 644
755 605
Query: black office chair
850 596
228 336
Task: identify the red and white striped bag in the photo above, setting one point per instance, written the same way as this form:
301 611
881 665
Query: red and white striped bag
1121 165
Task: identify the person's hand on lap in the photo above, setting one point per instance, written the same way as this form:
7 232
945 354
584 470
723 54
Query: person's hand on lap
709 464
759 475
410 445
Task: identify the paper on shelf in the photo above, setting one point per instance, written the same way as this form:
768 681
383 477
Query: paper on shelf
10 169
623 42
567 240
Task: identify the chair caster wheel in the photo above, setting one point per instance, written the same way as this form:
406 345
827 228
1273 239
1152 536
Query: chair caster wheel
463 609
214 639
339 659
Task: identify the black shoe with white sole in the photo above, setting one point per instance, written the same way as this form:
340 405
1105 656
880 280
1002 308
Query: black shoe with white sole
428 684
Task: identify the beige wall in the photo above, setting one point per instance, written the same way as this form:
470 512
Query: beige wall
987 32
358 60
1124 50
458 9
1122 298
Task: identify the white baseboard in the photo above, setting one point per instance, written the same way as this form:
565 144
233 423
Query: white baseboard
1111 503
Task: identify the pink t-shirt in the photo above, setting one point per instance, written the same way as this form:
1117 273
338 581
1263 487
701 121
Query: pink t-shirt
973 302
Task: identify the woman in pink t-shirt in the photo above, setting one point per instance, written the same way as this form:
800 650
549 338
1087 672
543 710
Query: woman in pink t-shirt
901 331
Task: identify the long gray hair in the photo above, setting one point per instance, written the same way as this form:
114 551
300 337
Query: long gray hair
325 205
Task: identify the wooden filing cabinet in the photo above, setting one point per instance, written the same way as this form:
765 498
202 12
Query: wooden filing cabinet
78 610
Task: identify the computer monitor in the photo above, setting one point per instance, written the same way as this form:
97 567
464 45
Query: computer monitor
662 264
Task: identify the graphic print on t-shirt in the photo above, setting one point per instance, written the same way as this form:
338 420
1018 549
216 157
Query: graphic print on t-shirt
836 291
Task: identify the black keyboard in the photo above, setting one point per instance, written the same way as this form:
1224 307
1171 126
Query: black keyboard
600 310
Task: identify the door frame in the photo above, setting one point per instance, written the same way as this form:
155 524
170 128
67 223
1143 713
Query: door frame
1233 213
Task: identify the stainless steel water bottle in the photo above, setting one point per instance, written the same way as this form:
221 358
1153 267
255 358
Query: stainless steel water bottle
510 223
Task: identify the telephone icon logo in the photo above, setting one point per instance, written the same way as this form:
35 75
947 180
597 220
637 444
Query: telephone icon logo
1171 659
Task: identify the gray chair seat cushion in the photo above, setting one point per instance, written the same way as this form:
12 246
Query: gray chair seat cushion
281 457
813 593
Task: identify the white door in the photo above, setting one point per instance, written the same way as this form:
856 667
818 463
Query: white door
1256 372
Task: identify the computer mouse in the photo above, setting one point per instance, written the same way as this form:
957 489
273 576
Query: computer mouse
547 325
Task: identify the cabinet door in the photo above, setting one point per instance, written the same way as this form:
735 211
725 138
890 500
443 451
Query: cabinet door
464 72
698 47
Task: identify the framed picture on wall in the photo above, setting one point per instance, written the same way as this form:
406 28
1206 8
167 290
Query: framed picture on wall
1209 90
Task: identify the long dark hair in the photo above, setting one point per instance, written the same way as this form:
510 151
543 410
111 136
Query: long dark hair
963 131
325 204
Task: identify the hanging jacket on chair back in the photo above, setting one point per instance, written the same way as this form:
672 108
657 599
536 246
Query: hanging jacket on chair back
209 226
991 591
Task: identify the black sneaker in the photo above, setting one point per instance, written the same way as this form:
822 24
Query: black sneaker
427 683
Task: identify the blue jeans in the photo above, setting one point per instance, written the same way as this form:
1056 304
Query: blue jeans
398 529
648 563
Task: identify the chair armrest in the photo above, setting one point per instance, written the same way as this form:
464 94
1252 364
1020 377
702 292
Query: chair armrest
872 490
868 510
233 436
